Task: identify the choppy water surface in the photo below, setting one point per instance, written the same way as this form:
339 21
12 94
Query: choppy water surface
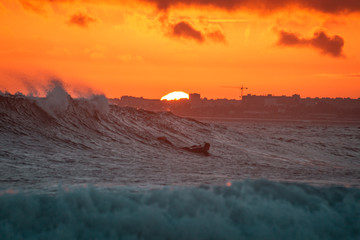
52 148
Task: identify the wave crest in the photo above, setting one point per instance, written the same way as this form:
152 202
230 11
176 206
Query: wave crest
56 101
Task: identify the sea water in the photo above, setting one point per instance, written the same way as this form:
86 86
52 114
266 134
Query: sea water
83 169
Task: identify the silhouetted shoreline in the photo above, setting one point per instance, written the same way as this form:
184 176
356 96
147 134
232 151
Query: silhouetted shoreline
253 107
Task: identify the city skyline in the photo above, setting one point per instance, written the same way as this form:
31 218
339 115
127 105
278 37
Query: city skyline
239 98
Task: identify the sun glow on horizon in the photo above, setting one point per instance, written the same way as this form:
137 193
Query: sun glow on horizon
175 96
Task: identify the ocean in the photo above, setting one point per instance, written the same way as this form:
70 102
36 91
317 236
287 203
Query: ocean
79 168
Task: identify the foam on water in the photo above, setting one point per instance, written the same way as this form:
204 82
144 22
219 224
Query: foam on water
246 210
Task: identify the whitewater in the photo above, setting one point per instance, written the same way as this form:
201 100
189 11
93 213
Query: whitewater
81 168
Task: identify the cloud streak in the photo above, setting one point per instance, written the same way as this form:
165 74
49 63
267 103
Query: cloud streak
326 44
342 75
327 6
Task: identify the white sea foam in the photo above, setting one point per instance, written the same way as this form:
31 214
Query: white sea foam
246 210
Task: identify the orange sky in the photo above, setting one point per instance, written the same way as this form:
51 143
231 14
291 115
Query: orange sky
151 47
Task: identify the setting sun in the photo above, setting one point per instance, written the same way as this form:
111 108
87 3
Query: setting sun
175 96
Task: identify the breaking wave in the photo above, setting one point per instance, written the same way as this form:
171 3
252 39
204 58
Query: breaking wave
56 139
246 210
59 110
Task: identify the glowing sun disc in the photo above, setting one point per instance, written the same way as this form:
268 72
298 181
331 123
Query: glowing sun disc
175 96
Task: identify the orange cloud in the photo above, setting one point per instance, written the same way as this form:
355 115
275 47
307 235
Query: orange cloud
81 20
326 44
35 6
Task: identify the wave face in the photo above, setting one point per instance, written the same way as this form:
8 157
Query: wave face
61 140
246 210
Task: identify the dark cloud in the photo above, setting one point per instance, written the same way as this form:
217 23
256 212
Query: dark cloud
290 39
185 30
327 45
81 20
328 6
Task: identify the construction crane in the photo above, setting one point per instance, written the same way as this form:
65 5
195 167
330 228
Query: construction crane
242 88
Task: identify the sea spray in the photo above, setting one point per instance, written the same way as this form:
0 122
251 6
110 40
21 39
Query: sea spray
246 210
100 102
57 99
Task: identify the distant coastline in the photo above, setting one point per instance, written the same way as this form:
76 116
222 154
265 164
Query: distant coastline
252 107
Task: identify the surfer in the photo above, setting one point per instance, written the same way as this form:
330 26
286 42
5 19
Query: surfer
204 149
199 149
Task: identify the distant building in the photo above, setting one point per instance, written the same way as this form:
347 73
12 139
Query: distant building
270 100
194 97
136 102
